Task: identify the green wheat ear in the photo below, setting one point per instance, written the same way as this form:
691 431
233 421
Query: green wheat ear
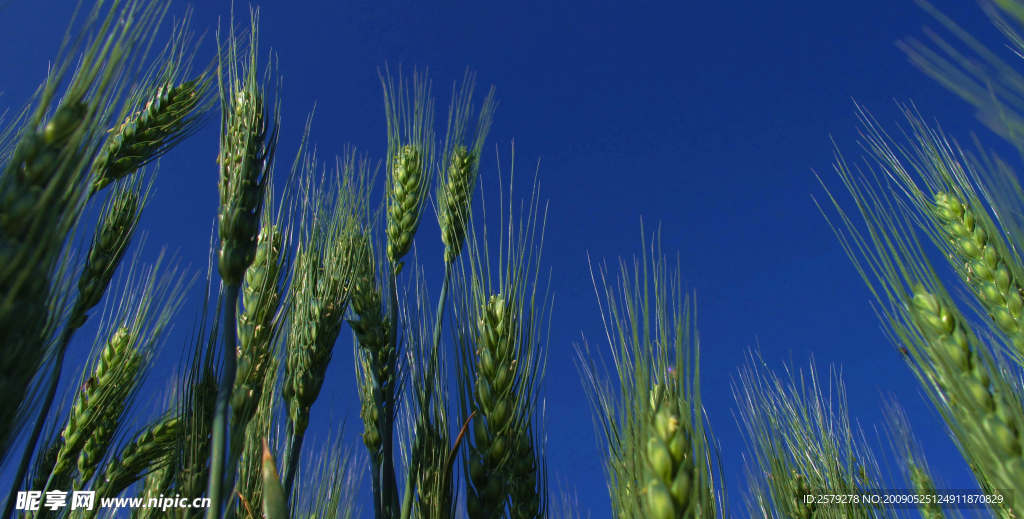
963 375
248 139
650 415
410 159
460 165
502 344
128 342
165 109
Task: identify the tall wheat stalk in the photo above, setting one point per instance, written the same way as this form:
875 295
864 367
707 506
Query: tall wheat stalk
248 139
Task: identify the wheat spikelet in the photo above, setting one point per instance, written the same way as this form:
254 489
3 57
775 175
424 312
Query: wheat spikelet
248 139
803 442
166 118
494 397
455 201
376 359
322 285
117 224
244 159
321 300
987 416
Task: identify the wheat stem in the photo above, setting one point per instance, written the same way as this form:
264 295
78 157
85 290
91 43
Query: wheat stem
291 459
389 485
218 451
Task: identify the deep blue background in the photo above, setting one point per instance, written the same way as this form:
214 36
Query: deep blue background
706 118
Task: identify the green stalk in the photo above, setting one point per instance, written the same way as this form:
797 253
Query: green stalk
389 485
431 368
292 457
220 417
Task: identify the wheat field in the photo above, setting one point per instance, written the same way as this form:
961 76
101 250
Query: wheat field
145 383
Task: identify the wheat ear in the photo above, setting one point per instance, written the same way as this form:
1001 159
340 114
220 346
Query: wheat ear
803 441
100 402
658 461
409 111
959 372
461 165
166 108
128 340
984 265
501 347
320 293
248 139
375 358
258 327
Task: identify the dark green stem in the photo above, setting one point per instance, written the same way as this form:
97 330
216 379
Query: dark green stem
218 452
375 484
389 485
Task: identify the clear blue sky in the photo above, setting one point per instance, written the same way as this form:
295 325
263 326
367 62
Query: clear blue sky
707 118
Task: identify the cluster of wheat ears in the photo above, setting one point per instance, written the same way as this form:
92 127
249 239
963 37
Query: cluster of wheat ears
298 265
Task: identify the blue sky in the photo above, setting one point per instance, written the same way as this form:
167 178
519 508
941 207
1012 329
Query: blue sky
707 119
